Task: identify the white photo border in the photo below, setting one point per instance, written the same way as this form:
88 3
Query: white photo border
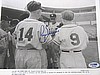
98 24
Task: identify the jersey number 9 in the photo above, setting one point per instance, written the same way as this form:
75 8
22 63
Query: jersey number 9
75 39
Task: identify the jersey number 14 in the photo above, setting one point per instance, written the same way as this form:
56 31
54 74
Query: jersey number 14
27 35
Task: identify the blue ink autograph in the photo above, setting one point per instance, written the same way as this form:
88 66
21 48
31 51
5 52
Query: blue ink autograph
45 32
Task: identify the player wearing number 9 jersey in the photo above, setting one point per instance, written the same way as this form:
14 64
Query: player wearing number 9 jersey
72 40
29 40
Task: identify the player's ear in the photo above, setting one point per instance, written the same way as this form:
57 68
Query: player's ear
38 11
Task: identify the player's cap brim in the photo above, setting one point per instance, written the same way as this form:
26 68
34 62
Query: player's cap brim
42 8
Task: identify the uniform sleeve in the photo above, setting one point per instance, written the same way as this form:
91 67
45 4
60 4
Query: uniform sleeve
85 40
56 40
85 35
16 31
44 36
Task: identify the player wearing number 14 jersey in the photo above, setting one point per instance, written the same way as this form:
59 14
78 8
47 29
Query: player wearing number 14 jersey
72 40
30 40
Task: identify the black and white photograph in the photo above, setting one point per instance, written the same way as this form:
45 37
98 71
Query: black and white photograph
48 34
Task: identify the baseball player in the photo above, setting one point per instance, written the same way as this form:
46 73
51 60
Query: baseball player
53 24
53 51
31 38
3 47
7 46
72 39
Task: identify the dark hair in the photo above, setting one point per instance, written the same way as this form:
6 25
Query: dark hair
33 6
68 15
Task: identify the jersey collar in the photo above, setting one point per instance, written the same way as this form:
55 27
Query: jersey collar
69 26
30 20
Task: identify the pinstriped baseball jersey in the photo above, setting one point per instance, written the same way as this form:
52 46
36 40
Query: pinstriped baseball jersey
29 32
71 37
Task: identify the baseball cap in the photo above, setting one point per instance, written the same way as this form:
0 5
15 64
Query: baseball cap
52 15
33 6
68 15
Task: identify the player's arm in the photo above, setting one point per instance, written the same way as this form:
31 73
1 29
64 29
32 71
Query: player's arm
56 39
84 34
56 42
44 36
16 32
44 33
14 35
85 39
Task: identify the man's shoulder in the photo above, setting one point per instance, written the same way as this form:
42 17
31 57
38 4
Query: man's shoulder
2 32
33 21
42 23
80 27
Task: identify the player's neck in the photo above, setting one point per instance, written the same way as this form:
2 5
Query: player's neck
33 16
67 22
